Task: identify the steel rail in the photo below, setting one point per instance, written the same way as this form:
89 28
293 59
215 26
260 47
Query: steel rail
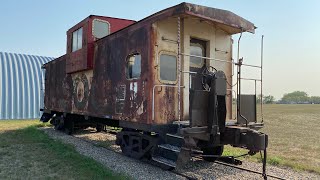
244 169
249 170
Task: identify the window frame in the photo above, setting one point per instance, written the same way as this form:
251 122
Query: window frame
104 21
77 37
126 65
203 60
170 53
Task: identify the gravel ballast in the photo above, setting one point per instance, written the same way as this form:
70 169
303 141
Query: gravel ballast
88 143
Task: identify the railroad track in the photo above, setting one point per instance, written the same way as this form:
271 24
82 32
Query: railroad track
244 169
182 174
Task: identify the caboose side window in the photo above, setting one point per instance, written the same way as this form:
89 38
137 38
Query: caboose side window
77 39
133 68
168 67
100 28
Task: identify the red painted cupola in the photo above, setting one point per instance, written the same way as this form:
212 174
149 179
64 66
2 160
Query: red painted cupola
81 38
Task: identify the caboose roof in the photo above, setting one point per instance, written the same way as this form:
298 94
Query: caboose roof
226 20
76 26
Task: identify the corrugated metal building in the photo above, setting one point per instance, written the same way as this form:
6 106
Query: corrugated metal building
21 81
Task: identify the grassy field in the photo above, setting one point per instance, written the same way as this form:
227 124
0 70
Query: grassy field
294 136
28 153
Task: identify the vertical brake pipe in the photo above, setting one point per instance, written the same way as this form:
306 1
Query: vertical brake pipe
239 107
261 103
238 99
239 84
179 71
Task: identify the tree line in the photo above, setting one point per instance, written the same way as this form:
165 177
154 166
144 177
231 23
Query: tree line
296 97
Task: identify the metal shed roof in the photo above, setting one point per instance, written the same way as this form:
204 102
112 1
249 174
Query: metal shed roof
20 85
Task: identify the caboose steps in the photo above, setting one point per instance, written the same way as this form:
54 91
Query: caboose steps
166 154
169 147
175 140
164 161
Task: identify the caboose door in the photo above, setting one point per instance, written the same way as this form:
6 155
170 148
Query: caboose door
197 64
197 99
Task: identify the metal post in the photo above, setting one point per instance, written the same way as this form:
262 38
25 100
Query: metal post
261 104
255 88
264 165
179 71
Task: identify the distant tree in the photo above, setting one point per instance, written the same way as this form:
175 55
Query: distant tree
259 98
268 99
265 99
315 99
296 97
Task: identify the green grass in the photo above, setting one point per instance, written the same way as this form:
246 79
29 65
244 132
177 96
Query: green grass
294 137
7 125
27 152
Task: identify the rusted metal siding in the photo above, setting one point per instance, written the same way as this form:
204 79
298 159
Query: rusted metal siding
165 92
105 92
112 94
109 80
59 88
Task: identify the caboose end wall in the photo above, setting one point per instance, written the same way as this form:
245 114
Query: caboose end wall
217 44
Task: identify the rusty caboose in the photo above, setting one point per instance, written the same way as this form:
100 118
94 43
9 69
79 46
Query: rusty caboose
166 80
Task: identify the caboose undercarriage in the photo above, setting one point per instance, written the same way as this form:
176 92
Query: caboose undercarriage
166 81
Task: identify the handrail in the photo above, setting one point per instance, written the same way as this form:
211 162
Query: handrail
249 65
221 60
208 58
189 72
251 79
179 69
